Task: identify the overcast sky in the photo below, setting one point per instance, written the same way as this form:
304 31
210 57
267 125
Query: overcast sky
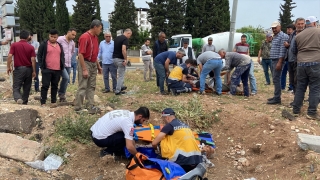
249 12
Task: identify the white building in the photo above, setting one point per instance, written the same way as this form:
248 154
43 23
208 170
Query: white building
142 19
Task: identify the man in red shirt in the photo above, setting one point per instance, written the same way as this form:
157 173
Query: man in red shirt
24 67
51 62
88 67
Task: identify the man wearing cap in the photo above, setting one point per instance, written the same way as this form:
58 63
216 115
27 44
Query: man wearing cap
308 68
161 65
177 142
188 50
209 46
277 54
115 130
242 64
244 48
210 63
264 52
178 81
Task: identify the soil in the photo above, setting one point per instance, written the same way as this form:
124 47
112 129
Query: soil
252 138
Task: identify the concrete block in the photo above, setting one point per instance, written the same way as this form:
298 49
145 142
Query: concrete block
309 142
17 148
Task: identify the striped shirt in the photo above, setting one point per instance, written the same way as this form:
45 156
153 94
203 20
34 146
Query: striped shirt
278 50
112 122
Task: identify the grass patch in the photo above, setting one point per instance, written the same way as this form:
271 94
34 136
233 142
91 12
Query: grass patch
57 149
192 112
76 127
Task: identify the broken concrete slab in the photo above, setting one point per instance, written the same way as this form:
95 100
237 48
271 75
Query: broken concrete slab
309 142
19 121
15 147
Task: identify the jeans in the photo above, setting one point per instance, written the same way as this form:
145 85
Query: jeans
22 77
112 69
121 70
307 76
147 67
49 77
276 77
214 65
64 81
86 86
74 72
240 73
179 86
161 75
253 84
115 143
266 64
292 69
36 79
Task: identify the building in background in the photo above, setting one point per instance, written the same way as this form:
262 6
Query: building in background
142 19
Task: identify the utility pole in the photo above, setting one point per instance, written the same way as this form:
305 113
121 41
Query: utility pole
232 24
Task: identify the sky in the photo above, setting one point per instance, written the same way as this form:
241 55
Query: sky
249 12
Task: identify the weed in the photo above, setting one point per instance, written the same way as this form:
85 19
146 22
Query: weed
76 128
57 149
192 113
114 99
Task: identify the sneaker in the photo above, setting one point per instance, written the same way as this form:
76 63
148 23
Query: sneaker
163 93
119 93
62 98
19 101
174 92
202 92
104 152
270 99
313 116
106 91
253 93
123 88
94 110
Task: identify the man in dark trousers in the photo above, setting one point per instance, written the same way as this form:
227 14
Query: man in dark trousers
51 62
120 58
159 46
24 67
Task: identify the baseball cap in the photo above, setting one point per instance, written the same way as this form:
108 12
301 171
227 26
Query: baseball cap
210 38
275 24
181 51
311 19
185 41
168 112
268 35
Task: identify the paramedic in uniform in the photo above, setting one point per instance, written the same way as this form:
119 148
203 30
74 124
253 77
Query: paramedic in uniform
115 129
177 142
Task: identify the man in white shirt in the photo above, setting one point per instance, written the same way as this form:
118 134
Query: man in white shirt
188 50
115 130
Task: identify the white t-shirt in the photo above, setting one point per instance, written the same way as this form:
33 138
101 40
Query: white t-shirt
112 122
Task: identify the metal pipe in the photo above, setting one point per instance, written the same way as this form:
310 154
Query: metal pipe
232 24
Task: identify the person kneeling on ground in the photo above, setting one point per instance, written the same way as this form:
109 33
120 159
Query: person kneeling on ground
242 63
177 80
115 130
177 142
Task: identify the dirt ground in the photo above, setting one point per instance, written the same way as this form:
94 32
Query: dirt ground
252 138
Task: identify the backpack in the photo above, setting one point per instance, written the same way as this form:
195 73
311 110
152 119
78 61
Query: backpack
142 167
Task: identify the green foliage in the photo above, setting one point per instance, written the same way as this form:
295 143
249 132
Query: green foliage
285 14
62 17
97 15
257 34
36 16
76 127
192 113
143 35
57 149
157 17
83 15
123 17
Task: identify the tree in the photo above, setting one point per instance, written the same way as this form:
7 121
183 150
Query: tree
123 17
221 16
97 15
62 17
285 14
256 34
143 35
36 16
83 15
194 18
157 17
175 17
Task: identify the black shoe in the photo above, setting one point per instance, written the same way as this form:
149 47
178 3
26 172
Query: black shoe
270 99
218 94
104 152
106 91
273 101
123 88
163 93
174 92
119 93
313 116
